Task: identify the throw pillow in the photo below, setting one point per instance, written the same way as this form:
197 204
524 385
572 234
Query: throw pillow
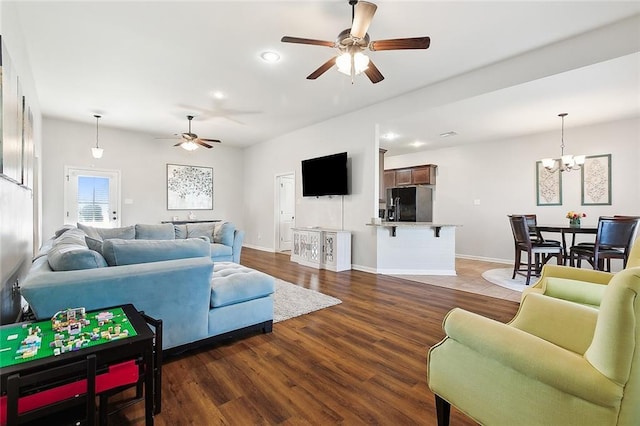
195 230
71 257
224 233
89 230
93 244
62 230
164 231
69 252
124 233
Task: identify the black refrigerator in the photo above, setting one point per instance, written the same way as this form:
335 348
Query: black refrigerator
410 204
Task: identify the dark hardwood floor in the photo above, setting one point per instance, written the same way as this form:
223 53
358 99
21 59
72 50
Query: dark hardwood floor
361 362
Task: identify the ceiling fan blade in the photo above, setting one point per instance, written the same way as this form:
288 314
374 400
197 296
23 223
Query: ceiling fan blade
210 140
179 143
401 43
323 68
373 73
201 143
287 39
363 15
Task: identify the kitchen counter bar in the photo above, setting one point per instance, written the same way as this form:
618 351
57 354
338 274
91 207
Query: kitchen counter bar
415 248
393 225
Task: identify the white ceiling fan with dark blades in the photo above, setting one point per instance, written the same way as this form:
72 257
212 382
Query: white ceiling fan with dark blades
191 141
353 41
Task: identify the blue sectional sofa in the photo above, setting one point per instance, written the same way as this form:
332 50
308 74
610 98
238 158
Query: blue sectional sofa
169 279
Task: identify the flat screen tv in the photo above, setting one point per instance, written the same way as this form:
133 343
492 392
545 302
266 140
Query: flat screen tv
325 175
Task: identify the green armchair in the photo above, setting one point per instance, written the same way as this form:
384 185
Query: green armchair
585 286
556 363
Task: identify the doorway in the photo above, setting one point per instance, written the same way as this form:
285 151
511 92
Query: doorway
92 197
285 204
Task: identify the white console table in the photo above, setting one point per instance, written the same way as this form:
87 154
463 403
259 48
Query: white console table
322 248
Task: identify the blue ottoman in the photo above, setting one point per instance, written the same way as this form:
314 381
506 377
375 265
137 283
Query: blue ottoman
240 297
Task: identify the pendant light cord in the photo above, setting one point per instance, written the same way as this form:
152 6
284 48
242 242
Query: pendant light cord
97 118
564 114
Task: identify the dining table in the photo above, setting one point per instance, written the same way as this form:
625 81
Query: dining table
567 229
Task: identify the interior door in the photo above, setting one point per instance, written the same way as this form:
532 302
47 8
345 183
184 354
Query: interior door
286 218
92 197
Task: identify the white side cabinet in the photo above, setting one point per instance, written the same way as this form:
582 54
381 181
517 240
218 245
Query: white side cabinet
322 248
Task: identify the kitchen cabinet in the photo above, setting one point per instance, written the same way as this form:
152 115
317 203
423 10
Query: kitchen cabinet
417 175
322 248
389 180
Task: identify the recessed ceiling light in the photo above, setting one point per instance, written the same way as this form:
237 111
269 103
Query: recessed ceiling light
417 144
218 95
389 136
270 56
447 134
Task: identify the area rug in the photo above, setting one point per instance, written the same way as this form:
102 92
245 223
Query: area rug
502 277
290 301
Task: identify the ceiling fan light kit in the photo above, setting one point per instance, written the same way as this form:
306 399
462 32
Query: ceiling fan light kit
191 141
353 41
97 152
567 162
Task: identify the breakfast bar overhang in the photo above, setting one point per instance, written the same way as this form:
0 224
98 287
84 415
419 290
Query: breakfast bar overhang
415 248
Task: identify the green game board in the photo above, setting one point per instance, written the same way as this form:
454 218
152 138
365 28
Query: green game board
11 336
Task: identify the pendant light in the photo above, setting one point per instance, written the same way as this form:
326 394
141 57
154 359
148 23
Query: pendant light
97 151
566 163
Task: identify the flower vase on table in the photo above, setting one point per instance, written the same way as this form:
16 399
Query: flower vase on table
574 218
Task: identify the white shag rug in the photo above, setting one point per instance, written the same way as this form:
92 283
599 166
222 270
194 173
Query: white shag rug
502 277
290 300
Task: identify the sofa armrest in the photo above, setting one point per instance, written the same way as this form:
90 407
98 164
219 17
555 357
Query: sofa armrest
238 238
535 358
176 291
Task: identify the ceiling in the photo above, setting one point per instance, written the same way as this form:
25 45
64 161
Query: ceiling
145 65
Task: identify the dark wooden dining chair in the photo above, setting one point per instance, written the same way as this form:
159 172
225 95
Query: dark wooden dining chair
538 253
614 238
536 235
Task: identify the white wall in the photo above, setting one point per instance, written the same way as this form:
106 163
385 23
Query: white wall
142 162
501 175
18 224
284 154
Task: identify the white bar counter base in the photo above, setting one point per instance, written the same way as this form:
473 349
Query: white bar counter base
416 248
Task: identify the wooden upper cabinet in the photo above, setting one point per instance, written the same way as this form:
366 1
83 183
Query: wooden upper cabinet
403 177
389 179
418 175
425 175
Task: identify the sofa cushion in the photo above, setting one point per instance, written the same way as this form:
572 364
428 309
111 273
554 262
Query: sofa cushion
223 233
163 231
128 252
195 230
218 250
124 233
69 252
180 231
233 283
94 244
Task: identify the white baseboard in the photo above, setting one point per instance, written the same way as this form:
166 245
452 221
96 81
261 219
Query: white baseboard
251 246
485 259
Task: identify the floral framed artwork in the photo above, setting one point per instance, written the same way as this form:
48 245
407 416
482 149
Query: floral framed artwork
189 187
548 186
596 180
